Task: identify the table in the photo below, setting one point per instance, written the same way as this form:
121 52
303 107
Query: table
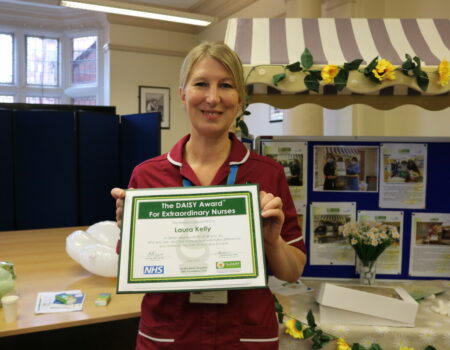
42 265
431 328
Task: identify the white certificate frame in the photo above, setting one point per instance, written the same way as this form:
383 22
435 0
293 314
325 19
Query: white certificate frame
157 262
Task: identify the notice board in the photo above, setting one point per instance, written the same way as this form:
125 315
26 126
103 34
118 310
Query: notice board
397 180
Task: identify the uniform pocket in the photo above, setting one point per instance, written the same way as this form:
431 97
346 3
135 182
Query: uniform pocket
258 337
154 339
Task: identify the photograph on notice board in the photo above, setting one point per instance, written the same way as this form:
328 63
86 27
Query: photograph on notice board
390 261
327 244
292 156
346 168
430 245
403 184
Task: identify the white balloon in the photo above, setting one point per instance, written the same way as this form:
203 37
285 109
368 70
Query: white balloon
75 243
100 260
95 249
106 232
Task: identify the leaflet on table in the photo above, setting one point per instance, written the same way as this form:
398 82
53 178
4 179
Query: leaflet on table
390 261
327 246
292 155
191 238
288 288
430 245
404 180
62 301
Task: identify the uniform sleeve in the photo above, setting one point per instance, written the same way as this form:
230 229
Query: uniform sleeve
291 231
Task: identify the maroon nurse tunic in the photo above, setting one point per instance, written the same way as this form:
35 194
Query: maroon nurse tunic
247 320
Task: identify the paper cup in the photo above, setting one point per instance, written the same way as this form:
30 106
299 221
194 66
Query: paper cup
10 305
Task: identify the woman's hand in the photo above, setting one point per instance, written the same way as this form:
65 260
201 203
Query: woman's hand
285 261
118 194
273 217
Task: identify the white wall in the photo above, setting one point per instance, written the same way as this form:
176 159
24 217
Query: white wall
148 57
258 121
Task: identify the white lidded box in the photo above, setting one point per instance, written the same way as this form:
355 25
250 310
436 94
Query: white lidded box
366 305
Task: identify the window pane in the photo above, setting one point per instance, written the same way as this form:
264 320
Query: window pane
84 60
5 98
6 58
42 100
86 101
42 61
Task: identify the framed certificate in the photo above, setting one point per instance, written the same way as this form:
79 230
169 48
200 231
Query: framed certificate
191 239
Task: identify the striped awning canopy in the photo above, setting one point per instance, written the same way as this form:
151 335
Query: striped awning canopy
267 45
346 152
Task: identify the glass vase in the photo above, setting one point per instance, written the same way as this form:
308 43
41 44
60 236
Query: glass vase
367 271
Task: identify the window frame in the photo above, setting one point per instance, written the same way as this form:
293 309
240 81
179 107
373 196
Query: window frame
65 91
6 32
72 38
58 62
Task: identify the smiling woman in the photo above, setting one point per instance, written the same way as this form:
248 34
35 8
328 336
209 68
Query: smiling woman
212 91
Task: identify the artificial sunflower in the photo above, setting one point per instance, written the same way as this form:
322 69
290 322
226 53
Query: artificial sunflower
384 70
294 329
444 73
342 345
329 72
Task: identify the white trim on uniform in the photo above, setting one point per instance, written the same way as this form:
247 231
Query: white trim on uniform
161 340
295 240
256 340
170 159
243 160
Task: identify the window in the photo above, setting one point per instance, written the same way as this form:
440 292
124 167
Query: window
42 61
6 98
48 67
84 60
42 100
85 101
6 58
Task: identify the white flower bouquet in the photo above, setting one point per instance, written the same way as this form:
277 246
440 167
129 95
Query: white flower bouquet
369 239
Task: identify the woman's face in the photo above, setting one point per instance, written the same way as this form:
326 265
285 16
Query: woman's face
210 98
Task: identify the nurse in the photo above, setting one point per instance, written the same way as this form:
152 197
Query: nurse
212 91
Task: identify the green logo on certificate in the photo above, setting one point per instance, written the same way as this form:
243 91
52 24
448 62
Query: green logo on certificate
228 265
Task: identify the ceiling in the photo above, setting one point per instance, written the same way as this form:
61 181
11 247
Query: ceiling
49 9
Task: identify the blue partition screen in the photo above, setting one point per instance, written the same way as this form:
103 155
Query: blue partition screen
140 139
45 169
98 165
6 172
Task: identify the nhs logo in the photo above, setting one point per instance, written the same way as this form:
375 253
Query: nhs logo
154 270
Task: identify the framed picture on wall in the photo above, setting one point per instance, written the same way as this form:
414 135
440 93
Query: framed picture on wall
275 114
155 99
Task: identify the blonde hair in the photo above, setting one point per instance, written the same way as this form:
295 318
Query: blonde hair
221 53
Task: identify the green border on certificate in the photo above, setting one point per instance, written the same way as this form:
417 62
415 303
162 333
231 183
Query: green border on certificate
195 238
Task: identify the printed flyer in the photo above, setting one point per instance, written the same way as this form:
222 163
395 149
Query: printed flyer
327 245
404 180
292 155
430 245
191 239
390 261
